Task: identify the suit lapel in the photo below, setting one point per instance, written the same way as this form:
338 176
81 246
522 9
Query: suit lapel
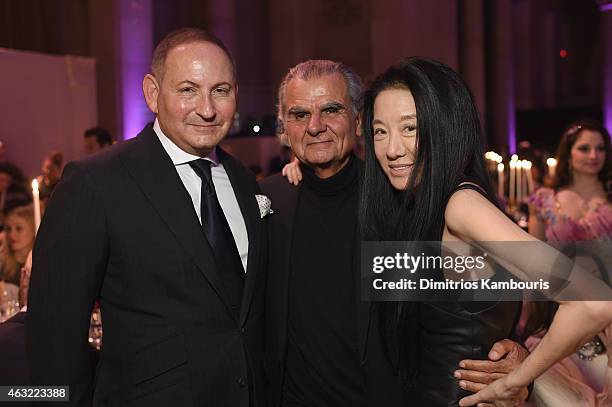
245 195
154 172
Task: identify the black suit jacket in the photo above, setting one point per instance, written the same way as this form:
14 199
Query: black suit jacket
121 227
382 387
13 366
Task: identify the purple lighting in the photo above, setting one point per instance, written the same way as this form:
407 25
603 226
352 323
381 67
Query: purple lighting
605 6
511 113
511 128
136 44
607 66
608 117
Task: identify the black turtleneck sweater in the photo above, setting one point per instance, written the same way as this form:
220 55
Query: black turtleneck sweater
322 367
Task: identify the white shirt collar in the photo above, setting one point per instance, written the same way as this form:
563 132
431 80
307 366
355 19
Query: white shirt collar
177 155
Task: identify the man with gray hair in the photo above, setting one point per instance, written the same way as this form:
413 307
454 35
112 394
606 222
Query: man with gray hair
316 324
323 346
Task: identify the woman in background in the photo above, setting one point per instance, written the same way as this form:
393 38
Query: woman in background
18 241
578 210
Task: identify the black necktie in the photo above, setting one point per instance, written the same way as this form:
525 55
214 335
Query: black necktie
219 235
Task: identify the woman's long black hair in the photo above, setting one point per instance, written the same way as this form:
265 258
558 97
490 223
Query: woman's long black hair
450 148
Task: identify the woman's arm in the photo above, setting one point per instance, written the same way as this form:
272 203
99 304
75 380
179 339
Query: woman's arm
471 217
537 228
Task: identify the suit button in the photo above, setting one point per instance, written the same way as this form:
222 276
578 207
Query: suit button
242 330
242 381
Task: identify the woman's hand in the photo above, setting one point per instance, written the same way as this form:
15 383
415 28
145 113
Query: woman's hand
606 339
499 393
292 172
24 281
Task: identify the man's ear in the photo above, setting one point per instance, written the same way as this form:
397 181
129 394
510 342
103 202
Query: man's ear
151 89
358 129
280 125
281 132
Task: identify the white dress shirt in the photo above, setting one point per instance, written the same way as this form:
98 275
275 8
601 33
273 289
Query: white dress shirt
223 187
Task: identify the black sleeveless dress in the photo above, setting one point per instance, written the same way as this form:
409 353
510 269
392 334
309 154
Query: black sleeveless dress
452 331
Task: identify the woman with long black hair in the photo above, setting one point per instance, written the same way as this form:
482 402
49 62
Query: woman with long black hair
425 180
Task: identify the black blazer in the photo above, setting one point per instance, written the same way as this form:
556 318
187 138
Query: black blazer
13 368
121 227
382 387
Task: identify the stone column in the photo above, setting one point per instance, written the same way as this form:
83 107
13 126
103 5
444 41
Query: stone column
472 52
606 30
501 91
121 41
135 50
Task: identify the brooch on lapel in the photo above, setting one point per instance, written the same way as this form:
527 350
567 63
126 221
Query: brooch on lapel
265 205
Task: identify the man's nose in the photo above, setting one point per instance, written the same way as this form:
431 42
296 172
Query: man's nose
206 108
316 124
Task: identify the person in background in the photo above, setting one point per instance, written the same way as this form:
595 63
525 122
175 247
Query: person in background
19 240
96 139
577 210
14 190
14 366
2 150
277 162
256 169
51 174
580 207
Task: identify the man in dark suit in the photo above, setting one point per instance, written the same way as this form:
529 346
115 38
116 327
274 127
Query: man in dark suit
323 346
13 370
165 230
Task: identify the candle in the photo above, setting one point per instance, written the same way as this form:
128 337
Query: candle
36 196
552 166
519 183
525 181
529 177
512 181
500 180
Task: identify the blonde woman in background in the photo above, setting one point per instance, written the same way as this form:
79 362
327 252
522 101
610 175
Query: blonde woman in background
18 241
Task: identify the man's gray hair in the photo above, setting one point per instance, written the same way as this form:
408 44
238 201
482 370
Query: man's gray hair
316 68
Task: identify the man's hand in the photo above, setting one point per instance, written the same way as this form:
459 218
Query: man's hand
293 172
505 356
